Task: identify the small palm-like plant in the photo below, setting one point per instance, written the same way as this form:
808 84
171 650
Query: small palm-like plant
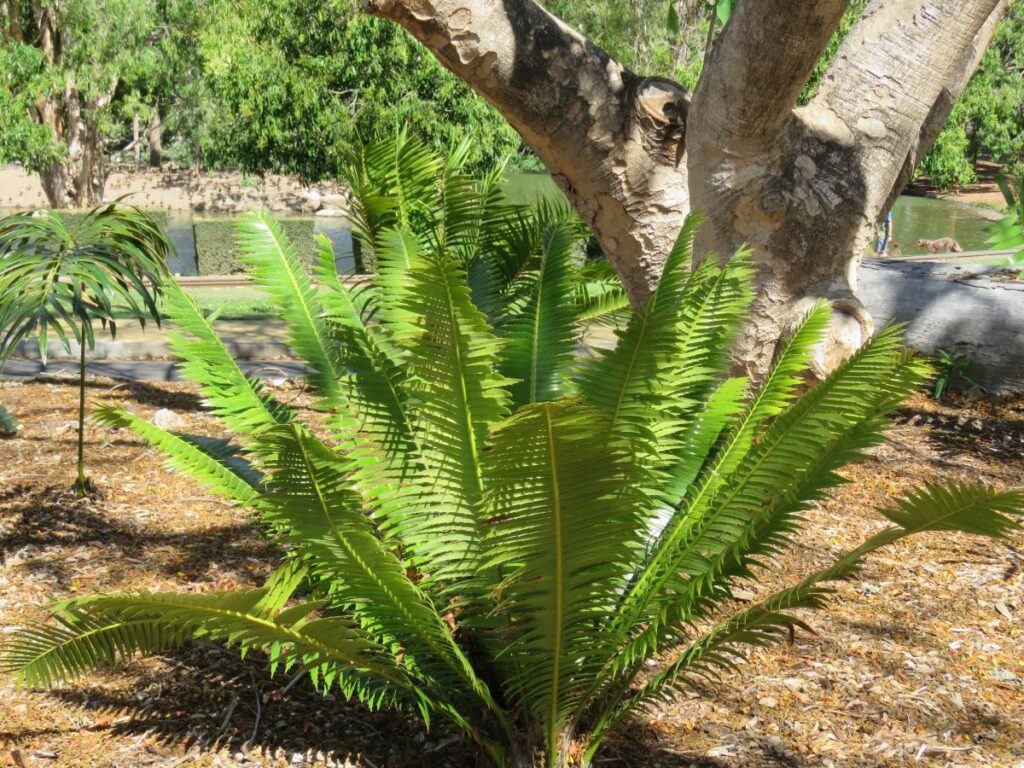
59 277
505 557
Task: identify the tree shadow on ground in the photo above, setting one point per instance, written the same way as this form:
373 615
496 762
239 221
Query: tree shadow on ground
204 698
48 520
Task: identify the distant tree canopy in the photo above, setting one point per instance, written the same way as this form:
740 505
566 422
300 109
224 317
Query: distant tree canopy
285 85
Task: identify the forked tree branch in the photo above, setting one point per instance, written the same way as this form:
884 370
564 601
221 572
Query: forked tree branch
896 77
612 140
760 65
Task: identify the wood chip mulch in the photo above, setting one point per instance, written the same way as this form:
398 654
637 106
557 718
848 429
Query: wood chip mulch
918 663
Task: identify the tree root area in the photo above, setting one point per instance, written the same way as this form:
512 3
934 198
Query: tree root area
918 663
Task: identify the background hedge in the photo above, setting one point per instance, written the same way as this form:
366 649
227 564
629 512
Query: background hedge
215 246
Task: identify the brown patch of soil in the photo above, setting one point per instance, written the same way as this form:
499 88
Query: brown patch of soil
919 663
984 190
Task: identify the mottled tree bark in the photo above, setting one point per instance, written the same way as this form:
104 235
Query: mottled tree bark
79 178
154 134
804 187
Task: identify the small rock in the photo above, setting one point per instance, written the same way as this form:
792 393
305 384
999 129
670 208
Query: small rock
1005 675
769 702
167 419
325 212
314 200
776 745
333 201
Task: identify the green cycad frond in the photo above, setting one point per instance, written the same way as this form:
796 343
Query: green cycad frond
774 394
563 507
670 351
277 268
600 296
969 508
235 398
742 512
456 397
310 499
101 630
217 466
392 182
542 334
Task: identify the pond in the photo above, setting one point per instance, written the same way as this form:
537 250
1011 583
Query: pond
914 218
213 243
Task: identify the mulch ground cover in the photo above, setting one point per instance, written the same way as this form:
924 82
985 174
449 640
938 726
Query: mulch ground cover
919 663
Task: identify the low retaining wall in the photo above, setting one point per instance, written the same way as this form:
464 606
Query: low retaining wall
962 308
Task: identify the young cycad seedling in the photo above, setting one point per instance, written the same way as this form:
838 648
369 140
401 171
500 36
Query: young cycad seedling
59 278
508 557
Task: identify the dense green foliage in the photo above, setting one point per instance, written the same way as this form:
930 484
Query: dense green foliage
293 82
287 85
95 44
60 279
988 120
505 247
508 558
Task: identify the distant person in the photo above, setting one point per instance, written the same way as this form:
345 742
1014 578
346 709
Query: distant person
884 235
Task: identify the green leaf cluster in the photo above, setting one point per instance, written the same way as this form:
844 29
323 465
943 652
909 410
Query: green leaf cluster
497 536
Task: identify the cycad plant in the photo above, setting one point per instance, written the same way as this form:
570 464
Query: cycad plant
397 180
500 555
60 276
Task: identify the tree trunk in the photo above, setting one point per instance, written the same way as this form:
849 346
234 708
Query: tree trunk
804 187
136 146
154 134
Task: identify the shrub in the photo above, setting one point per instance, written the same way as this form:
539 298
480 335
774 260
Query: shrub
216 252
503 557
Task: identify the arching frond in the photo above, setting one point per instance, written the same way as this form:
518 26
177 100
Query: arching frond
542 334
310 499
103 630
969 508
213 463
457 396
275 265
239 401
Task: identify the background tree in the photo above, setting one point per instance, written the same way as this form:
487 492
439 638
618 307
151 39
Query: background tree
60 275
805 185
293 83
67 58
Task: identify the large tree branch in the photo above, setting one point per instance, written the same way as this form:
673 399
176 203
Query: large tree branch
760 65
938 115
612 139
896 77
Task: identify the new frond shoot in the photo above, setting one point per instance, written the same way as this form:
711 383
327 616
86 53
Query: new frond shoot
490 529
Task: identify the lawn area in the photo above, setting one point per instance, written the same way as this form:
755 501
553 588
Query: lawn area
918 664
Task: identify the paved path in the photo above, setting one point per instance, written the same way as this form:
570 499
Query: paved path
244 339
144 370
